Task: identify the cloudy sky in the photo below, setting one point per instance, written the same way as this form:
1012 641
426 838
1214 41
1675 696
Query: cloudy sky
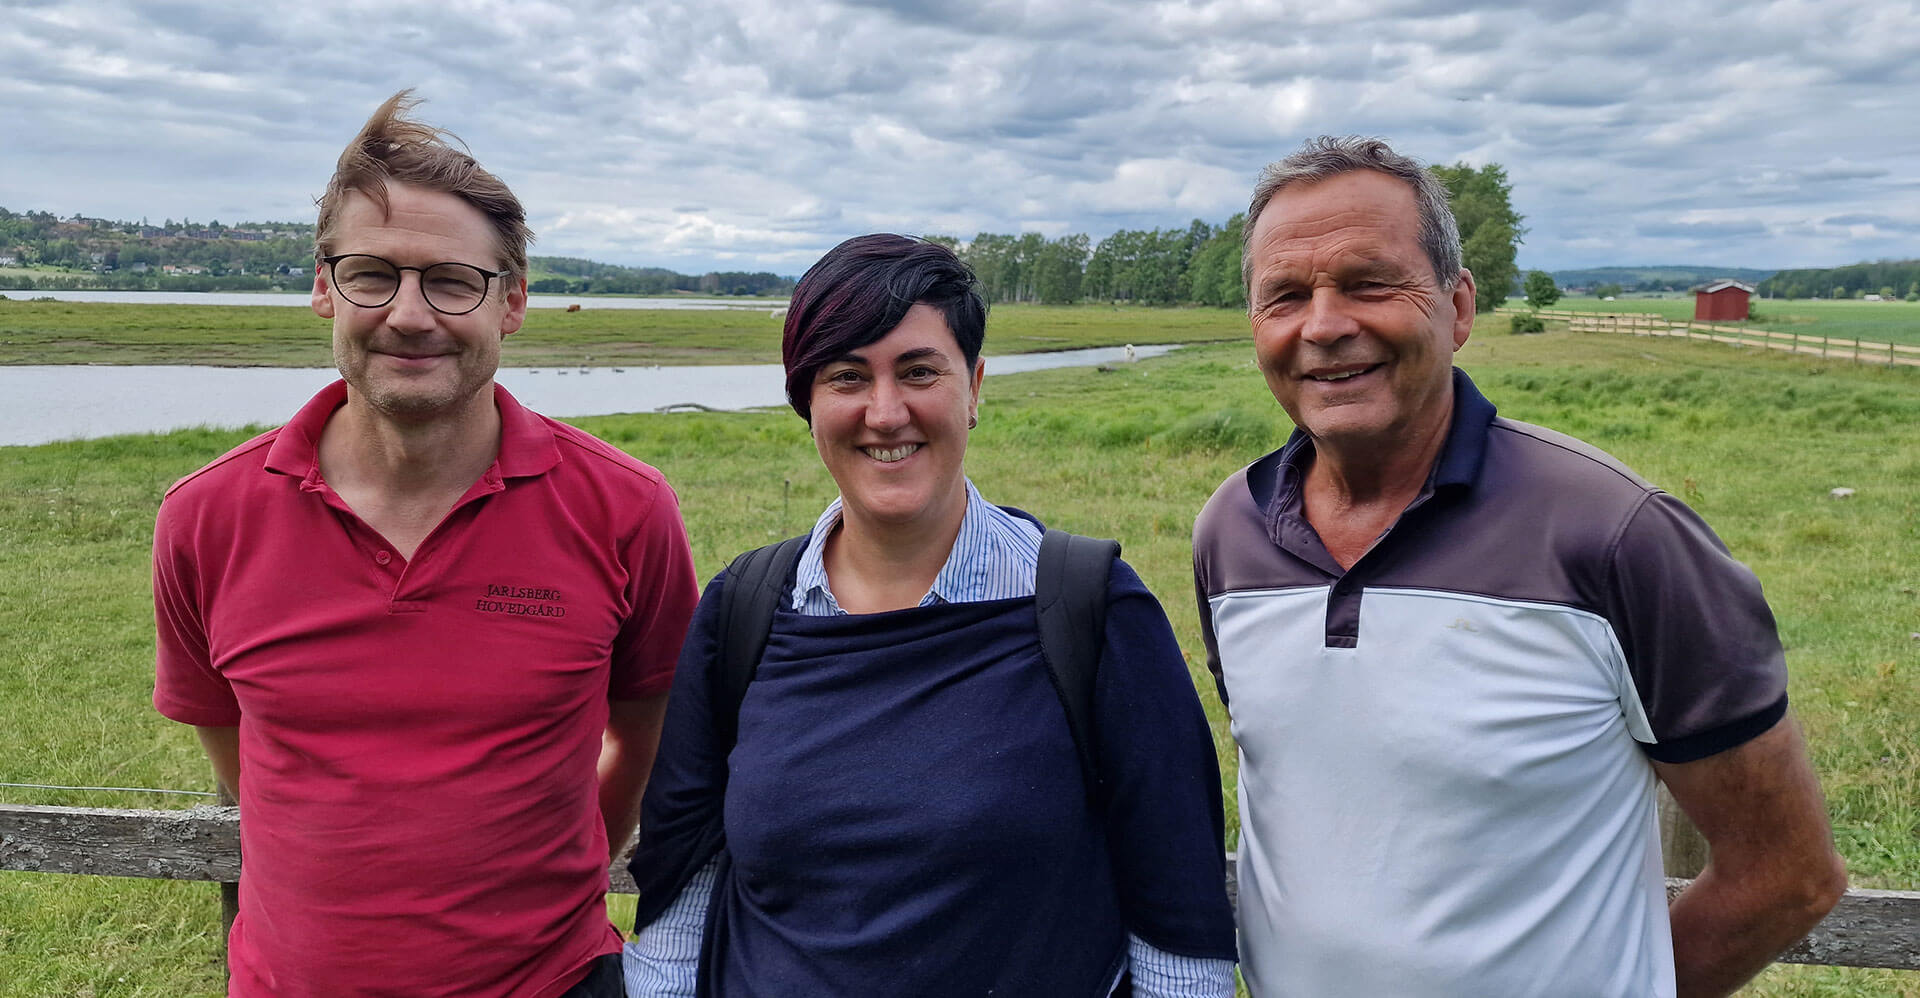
753 134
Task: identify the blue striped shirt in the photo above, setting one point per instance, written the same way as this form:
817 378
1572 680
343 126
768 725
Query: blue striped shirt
995 556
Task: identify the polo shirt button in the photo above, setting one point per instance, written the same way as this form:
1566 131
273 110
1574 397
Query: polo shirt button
382 557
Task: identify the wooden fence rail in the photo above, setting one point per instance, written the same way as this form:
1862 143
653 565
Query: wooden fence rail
1644 324
1867 929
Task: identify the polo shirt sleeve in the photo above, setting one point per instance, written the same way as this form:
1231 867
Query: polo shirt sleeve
187 687
661 591
1160 782
1699 639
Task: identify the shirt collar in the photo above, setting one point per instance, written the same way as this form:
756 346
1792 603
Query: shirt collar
527 444
959 579
1277 479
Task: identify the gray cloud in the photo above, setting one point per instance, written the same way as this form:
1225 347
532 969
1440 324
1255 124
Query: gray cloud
748 133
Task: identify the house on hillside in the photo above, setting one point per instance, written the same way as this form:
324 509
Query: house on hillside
1721 301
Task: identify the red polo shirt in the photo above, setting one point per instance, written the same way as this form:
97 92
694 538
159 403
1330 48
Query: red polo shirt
418 738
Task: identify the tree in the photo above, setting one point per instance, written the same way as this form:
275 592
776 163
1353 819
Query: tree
1213 275
1057 271
1490 230
1541 291
1606 291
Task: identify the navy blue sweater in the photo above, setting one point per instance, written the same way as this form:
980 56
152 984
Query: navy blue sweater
904 812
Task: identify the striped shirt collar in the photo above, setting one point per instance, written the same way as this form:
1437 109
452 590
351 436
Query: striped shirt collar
994 557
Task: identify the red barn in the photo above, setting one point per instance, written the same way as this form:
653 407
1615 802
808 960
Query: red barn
1721 301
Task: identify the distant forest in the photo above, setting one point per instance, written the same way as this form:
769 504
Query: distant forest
1889 279
80 253
1195 264
1657 278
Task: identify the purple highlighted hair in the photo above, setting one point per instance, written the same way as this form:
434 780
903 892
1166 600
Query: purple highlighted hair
857 294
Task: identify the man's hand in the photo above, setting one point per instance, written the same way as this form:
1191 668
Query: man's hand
223 750
1772 872
626 757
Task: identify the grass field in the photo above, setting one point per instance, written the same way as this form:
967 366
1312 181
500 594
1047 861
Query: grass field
1873 321
1753 441
34 332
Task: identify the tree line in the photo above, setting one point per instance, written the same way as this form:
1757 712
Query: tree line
1890 279
1199 264
80 253
574 275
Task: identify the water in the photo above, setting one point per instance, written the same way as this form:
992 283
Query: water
40 404
302 300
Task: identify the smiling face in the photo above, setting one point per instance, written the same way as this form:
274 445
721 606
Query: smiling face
405 361
890 421
1352 330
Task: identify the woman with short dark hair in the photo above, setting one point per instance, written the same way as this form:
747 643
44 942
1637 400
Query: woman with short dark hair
903 793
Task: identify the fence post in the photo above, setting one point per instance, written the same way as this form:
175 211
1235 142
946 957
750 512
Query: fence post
1683 850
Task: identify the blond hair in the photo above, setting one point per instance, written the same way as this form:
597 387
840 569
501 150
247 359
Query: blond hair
393 148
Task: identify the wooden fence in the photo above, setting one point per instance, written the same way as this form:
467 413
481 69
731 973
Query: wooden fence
1867 929
1641 324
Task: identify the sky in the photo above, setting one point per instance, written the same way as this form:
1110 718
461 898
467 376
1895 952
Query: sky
754 135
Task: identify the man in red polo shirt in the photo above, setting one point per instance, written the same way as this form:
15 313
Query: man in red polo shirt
424 634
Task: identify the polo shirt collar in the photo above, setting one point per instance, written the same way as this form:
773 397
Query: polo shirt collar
527 444
1276 480
1466 445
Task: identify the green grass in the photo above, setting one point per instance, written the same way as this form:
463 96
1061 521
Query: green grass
277 336
1872 321
1753 441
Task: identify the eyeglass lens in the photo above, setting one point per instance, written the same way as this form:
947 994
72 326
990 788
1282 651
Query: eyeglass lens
370 282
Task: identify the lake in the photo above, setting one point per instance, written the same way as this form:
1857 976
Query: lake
302 300
41 404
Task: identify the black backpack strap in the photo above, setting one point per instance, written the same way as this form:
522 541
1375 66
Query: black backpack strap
1070 599
755 581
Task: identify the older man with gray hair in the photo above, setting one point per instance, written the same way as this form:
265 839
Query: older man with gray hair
1460 652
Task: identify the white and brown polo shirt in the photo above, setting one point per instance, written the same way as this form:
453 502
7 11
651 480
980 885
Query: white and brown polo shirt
1444 777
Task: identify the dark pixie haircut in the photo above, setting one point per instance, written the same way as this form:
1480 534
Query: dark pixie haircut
860 290
1329 156
392 148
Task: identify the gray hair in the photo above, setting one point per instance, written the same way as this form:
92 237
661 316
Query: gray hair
1331 155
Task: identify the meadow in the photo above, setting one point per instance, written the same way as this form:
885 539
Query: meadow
48 332
1873 321
1754 442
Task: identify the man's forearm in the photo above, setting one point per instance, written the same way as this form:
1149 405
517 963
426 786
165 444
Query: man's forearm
621 785
1723 934
1772 873
626 759
223 750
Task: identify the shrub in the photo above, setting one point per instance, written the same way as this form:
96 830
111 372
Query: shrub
1528 323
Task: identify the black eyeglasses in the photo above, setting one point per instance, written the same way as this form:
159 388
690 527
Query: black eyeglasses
372 282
